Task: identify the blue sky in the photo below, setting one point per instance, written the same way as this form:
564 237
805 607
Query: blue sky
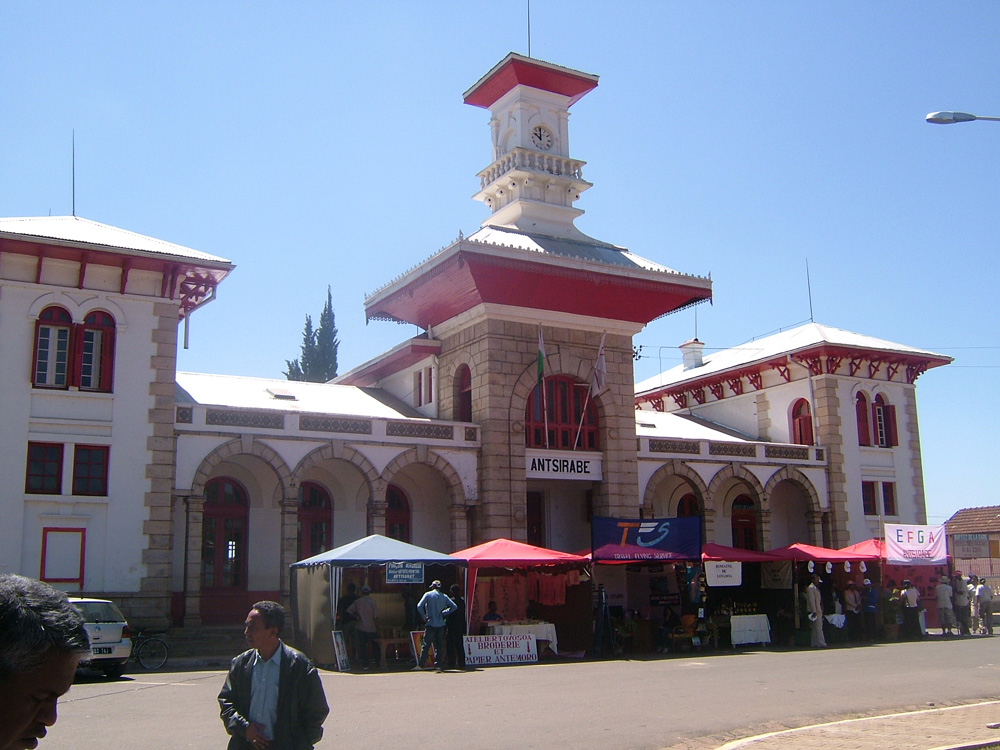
319 144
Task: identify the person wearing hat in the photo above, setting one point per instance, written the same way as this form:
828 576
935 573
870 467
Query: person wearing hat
946 613
434 607
814 605
869 603
984 597
365 611
910 599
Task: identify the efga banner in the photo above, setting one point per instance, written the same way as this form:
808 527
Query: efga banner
628 540
908 544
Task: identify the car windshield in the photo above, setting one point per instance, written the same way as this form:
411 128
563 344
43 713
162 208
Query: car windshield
99 611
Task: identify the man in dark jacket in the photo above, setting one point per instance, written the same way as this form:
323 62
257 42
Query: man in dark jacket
455 630
273 698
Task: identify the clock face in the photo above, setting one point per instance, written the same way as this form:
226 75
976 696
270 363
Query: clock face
541 137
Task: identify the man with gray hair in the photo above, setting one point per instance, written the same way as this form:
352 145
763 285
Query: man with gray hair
42 639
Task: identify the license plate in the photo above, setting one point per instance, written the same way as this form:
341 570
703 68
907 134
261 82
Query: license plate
99 650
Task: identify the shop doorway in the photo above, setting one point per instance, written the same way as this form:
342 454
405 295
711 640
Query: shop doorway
535 517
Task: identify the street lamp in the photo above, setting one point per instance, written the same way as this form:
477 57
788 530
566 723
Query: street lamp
948 118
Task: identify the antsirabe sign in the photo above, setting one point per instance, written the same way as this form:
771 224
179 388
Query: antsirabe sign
580 465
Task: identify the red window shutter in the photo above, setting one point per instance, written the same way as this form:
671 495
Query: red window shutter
864 431
892 436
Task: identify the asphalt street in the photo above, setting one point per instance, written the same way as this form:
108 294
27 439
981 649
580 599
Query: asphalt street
606 705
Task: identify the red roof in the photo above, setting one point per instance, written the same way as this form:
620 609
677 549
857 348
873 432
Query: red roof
466 279
506 553
517 70
875 548
974 521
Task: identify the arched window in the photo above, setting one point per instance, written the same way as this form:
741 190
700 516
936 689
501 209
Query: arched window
802 426
564 404
463 394
744 523
52 348
96 352
68 354
688 506
315 520
861 410
397 514
884 423
224 535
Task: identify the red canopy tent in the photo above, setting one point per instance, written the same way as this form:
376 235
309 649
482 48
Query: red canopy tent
506 553
805 552
874 547
720 553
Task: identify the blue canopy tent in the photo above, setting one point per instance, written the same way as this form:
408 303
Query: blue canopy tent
315 585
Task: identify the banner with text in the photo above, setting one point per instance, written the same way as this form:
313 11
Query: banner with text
625 540
723 573
909 544
514 648
549 464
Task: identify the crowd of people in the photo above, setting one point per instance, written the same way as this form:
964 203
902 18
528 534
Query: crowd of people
964 606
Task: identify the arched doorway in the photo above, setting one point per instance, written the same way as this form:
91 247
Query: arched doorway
315 520
397 514
224 550
744 523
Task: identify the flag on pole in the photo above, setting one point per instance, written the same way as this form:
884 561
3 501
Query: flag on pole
541 356
600 371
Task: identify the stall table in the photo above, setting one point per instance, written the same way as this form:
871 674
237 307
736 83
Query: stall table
750 629
544 632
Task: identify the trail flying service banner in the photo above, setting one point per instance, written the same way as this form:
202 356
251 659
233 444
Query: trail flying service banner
626 539
908 544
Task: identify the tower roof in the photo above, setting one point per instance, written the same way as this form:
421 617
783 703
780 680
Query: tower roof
518 70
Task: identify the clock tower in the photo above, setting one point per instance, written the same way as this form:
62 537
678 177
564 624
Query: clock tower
532 183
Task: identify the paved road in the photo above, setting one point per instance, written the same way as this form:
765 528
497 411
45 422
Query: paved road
696 701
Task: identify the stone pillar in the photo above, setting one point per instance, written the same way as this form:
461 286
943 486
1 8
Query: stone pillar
765 529
289 542
154 606
376 507
708 524
763 416
829 435
910 433
816 531
194 508
459 526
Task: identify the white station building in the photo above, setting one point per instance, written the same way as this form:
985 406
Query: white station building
152 486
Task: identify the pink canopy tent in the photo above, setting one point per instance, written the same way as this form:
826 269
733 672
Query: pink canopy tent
873 547
506 553
803 552
721 553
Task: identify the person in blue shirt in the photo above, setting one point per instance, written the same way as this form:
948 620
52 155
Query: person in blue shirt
434 608
869 606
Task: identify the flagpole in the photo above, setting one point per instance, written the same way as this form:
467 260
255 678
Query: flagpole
590 389
541 384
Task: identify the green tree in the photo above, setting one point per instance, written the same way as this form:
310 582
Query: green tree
317 362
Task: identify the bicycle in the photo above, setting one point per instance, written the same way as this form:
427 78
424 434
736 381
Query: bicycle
149 649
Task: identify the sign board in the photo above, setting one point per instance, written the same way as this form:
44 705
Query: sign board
970 546
911 544
340 651
640 539
404 572
489 650
548 464
723 573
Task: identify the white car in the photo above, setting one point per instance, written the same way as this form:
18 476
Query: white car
110 638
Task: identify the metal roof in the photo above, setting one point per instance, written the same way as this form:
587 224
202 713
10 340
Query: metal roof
199 389
76 231
777 345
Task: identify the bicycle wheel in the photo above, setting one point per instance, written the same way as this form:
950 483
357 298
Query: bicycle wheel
152 653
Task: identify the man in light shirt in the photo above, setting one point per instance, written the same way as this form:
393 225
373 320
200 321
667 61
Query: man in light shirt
258 677
984 596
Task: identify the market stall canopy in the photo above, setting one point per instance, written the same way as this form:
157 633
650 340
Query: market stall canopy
721 553
874 548
377 549
506 553
801 552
